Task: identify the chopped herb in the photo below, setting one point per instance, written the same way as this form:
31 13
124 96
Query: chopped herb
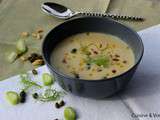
47 79
69 113
12 97
74 50
99 60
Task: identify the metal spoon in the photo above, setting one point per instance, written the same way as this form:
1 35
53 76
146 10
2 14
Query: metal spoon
63 12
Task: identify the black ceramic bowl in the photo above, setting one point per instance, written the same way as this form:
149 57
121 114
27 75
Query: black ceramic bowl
92 88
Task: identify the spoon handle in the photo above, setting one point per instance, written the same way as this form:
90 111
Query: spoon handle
113 16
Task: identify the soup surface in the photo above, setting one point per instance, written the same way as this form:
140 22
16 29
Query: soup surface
92 56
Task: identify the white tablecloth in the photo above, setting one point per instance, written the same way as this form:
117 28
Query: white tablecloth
140 101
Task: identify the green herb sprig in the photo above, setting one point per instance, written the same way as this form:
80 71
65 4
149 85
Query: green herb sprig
49 95
28 83
99 60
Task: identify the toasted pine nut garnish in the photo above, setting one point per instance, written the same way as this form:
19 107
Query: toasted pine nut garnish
124 61
68 66
23 58
93 70
121 66
39 30
100 45
66 54
116 55
90 74
81 62
115 59
64 61
73 68
73 56
38 36
114 71
24 34
114 46
38 62
81 69
34 35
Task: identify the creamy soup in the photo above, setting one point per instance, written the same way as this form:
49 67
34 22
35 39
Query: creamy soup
92 56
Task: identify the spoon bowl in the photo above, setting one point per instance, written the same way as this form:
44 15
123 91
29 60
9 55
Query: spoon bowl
57 10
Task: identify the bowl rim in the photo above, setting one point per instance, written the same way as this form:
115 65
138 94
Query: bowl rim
53 68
